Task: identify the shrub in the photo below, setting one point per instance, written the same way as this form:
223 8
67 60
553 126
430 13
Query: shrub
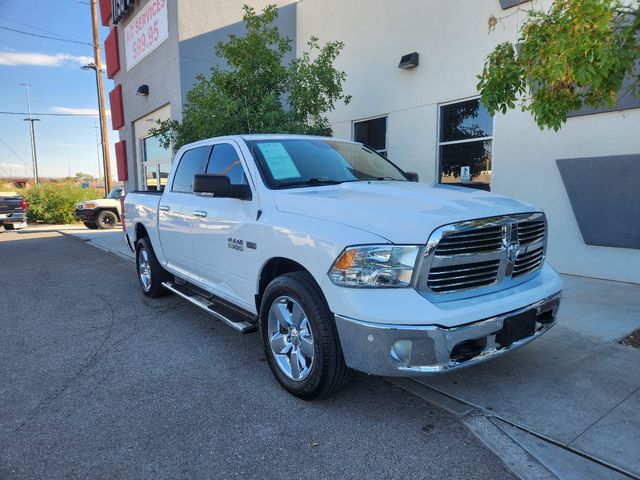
55 202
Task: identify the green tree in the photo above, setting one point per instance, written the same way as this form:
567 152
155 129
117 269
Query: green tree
255 92
579 53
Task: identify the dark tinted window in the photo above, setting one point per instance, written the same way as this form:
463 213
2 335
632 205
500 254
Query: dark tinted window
474 156
192 162
464 120
372 133
226 161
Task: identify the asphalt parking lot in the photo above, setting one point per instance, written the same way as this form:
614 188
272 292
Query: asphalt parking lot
98 381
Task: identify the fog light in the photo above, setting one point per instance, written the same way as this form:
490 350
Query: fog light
401 351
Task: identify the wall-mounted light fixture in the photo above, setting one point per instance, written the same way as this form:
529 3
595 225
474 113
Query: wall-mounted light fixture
410 60
143 90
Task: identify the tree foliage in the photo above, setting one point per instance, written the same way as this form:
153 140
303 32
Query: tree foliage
255 92
579 53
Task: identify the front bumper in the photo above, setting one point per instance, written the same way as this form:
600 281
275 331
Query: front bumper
83 215
411 350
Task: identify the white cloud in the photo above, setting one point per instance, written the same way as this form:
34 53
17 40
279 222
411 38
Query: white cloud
43 59
78 111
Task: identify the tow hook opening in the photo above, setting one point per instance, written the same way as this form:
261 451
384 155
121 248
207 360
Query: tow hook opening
468 349
545 317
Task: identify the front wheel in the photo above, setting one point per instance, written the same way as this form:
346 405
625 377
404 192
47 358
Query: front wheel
106 219
300 338
150 272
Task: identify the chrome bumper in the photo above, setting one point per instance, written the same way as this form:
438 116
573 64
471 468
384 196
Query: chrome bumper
409 350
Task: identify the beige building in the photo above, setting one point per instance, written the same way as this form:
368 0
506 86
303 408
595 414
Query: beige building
426 118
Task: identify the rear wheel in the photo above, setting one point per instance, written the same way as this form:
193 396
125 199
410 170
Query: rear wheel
90 225
106 219
8 226
150 272
300 338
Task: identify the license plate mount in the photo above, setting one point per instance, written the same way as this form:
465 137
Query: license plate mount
517 327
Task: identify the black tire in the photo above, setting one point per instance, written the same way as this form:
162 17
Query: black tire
106 219
90 225
328 372
8 226
157 274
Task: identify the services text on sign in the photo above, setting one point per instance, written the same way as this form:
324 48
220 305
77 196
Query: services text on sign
148 29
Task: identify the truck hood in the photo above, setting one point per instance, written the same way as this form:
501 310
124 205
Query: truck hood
100 203
401 212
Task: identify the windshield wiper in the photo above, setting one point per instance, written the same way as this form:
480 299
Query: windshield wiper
311 182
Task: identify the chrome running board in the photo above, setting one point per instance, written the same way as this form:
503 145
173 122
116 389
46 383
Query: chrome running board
217 309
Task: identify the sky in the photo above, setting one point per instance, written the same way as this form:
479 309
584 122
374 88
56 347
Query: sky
64 144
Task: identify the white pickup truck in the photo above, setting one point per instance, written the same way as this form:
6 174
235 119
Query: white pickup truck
342 260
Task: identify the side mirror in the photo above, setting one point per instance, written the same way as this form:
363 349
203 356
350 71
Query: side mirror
219 186
413 176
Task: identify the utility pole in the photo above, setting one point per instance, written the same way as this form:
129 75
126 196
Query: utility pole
95 125
34 155
97 66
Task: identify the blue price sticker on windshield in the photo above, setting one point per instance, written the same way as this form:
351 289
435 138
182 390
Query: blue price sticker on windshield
279 161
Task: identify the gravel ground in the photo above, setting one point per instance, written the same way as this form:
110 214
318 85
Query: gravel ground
96 381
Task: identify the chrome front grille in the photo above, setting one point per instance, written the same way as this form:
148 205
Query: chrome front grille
530 232
461 277
479 256
528 262
488 239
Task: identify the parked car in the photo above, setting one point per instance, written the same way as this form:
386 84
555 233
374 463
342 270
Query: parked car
13 211
342 260
101 213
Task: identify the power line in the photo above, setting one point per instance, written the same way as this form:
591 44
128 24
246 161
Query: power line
34 27
45 36
14 152
53 114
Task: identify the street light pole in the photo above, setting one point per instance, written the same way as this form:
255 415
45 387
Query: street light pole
97 66
34 154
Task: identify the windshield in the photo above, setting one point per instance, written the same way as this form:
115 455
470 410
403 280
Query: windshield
287 163
115 194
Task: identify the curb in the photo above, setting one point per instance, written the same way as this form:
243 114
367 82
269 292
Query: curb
513 455
526 453
111 251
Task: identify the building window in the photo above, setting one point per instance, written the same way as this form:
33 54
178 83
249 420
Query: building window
464 144
373 133
156 163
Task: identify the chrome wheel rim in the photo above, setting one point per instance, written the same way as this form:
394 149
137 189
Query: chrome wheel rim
144 269
291 338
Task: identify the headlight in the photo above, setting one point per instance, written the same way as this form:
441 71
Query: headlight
89 206
375 266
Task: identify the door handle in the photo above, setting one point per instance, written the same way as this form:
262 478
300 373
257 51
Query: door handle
200 213
163 208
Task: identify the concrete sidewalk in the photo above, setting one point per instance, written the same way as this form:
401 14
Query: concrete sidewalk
571 399
111 241
576 387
